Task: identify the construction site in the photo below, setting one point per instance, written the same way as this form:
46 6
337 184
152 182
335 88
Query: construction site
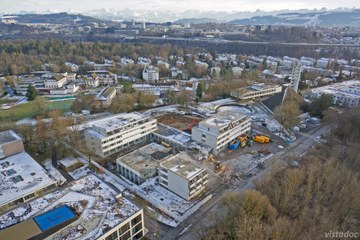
182 122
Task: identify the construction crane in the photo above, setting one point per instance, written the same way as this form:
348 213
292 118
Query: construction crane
219 168
192 123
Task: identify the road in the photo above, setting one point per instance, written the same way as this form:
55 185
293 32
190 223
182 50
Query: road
205 217
224 41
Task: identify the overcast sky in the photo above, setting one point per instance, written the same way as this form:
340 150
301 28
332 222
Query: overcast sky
11 6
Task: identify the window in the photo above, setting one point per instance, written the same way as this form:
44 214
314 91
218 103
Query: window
136 220
112 236
125 228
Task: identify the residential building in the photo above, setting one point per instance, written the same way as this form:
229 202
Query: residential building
21 178
92 80
180 175
56 81
86 209
104 98
151 74
68 89
72 66
220 130
112 134
345 94
157 89
257 90
141 164
105 77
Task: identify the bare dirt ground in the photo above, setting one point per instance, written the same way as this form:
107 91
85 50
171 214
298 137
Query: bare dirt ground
178 121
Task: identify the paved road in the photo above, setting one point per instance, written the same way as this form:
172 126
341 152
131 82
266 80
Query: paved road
207 215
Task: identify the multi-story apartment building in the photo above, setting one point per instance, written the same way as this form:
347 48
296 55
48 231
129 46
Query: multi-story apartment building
86 209
112 134
157 90
151 74
21 178
57 81
257 90
178 174
345 94
220 130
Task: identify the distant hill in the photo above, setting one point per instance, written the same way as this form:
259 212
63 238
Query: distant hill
195 20
56 18
323 18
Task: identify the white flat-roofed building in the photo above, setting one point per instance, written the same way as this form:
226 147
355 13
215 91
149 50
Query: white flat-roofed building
156 90
100 212
21 177
220 130
345 94
142 163
112 134
257 90
57 81
178 174
150 74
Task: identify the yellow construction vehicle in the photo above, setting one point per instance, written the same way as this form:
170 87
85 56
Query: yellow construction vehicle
243 140
219 168
261 139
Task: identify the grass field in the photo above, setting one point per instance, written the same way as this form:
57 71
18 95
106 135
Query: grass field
26 110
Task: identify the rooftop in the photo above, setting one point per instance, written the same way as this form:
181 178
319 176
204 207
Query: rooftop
256 87
181 164
349 88
116 121
145 159
173 134
8 136
21 175
99 208
223 119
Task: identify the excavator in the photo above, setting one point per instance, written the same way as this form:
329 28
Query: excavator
219 168
243 140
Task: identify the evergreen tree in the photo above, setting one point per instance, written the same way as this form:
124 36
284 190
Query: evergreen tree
32 93
199 91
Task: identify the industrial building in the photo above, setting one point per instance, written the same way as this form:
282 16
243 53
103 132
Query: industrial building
21 178
142 163
220 130
178 174
257 90
87 209
112 134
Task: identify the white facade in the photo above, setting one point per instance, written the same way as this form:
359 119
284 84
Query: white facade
156 90
151 74
220 130
112 134
178 174
56 82
345 94
255 91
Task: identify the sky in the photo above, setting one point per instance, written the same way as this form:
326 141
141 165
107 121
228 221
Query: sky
13 6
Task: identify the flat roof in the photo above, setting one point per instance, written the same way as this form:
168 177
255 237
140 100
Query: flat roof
340 88
21 231
21 175
54 217
182 165
119 120
256 87
223 119
143 159
96 203
69 161
173 134
8 136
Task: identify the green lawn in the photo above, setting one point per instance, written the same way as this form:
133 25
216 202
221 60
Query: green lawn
25 110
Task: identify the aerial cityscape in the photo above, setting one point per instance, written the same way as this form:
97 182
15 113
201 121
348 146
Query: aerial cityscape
193 120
